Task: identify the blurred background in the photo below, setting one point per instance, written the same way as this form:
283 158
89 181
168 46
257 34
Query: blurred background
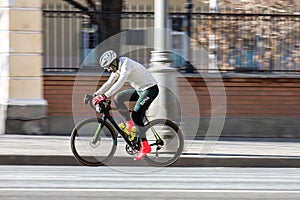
254 44
242 35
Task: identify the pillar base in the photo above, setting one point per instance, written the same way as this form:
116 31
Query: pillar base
26 116
167 103
3 108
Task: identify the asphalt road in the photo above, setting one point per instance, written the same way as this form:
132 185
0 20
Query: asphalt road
78 183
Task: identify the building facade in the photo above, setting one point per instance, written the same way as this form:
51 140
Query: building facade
40 46
22 104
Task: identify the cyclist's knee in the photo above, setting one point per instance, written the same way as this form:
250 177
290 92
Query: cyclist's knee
118 99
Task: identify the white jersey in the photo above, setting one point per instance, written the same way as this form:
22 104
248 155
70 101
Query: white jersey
129 71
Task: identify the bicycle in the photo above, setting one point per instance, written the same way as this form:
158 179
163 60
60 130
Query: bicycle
94 140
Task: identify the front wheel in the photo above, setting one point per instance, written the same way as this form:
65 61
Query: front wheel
166 141
93 142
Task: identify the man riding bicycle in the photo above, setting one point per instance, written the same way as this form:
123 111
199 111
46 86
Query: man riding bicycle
144 90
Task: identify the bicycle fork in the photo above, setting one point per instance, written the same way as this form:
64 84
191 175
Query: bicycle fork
96 136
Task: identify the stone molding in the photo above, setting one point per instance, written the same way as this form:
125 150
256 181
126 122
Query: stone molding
26 116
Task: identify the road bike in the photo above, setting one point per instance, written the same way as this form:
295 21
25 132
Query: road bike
94 140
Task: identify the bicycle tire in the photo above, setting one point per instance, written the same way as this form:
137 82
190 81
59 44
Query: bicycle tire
168 127
79 138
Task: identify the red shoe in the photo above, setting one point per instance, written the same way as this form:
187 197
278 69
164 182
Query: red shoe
130 125
145 149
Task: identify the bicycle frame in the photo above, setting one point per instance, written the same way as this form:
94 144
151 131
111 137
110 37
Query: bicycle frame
107 116
158 131
159 141
105 109
116 126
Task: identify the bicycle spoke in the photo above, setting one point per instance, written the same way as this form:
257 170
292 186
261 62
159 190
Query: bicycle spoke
91 144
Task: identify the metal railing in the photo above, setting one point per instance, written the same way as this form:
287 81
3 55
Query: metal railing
235 42
69 37
259 42
62 40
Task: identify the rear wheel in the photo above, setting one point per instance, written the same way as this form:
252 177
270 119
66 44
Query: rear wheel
91 150
168 146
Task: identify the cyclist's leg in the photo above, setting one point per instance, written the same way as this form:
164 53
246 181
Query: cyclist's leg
142 104
120 99
144 101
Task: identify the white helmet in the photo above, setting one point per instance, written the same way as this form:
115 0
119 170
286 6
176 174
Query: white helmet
107 58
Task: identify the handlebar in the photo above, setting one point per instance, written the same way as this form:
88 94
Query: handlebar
88 99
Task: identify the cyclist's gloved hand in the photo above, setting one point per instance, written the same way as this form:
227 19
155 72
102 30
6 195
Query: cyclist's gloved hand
98 99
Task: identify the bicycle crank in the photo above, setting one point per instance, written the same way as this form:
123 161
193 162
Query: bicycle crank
130 151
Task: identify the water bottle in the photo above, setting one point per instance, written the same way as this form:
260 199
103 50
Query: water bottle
124 129
132 134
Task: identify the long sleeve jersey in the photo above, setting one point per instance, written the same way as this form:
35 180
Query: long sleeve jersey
129 71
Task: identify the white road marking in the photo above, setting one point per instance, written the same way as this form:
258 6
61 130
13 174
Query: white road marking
148 190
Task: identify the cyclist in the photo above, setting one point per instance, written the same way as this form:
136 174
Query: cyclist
144 90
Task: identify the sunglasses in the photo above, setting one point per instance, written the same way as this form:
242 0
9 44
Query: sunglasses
107 68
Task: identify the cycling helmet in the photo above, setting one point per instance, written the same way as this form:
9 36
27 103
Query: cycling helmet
107 58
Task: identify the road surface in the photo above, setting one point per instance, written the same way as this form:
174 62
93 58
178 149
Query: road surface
80 182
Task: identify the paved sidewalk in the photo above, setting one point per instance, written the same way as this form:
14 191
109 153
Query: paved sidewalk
232 152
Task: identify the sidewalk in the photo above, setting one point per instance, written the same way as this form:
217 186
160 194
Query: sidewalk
232 152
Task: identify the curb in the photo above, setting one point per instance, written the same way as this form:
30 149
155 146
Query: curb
184 161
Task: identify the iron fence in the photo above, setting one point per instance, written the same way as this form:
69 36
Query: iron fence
69 37
232 42
62 40
260 42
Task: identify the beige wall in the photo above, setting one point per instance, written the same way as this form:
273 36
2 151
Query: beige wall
21 47
21 67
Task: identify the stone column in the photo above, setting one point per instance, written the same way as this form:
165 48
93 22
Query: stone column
22 107
167 101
